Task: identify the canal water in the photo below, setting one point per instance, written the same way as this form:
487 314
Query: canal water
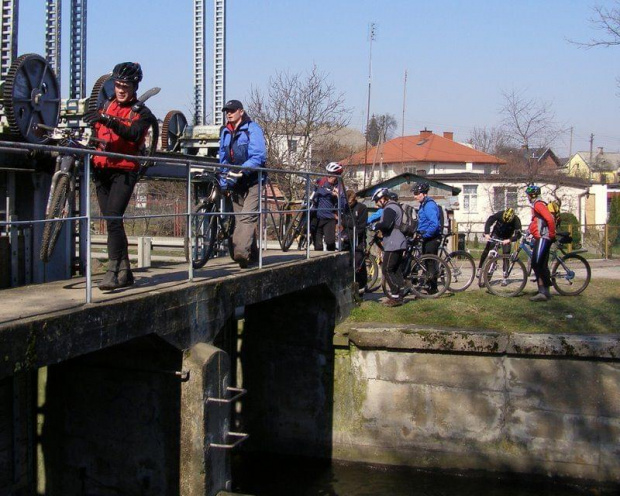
269 475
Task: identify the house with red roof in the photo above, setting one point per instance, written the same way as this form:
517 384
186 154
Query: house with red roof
423 154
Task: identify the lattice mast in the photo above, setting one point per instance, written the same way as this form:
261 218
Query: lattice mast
53 26
77 69
199 62
219 60
8 43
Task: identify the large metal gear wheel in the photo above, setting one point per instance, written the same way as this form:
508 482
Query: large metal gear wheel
31 95
103 90
174 125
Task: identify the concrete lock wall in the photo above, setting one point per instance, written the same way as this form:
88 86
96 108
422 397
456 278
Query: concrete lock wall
112 422
480 401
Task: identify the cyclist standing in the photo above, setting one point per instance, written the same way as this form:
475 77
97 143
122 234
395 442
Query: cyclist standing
355 220
122 123
429 227
328 196
542 228
394 244
504 225
242 143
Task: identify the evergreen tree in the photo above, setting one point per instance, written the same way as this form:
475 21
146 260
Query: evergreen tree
373 132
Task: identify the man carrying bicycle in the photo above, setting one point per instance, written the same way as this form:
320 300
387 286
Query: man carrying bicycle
542 229
429 227
394 244
504 225
242 143
122 123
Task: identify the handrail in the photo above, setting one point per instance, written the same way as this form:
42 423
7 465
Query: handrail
190 165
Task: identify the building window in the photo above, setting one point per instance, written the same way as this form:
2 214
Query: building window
292 145
470 197
504 197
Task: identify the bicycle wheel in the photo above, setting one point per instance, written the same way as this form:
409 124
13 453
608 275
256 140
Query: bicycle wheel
427 283
59 209
462 269
204 228
292 231
505 284
372 269
571 275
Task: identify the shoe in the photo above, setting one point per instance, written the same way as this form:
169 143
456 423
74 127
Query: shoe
110 279
478 273
504 283
125 276
242 261
539 297
393 302
432 290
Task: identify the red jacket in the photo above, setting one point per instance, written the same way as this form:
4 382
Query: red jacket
126 134
543 223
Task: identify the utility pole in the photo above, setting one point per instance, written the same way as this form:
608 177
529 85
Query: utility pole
371 35
590 162
570 146
402 127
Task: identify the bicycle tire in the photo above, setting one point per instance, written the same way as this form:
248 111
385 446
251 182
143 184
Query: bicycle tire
58 210
462 269
372 269
499 285
420 279
563 281
204 228
292 231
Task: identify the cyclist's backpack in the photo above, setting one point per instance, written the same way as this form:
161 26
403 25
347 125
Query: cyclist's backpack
409 221
554 208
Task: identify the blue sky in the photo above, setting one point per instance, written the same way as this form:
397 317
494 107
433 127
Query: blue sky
459 56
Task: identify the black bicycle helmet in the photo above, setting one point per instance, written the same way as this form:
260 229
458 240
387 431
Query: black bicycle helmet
508 215
130 72
420 188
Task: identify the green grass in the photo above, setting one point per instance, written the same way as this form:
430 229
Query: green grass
596 311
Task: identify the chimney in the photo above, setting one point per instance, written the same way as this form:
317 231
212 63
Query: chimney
425 133
448 135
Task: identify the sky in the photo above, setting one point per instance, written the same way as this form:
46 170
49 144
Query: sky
460 57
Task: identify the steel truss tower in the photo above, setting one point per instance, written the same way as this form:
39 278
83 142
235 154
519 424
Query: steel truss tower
77 68
53 25
8 43
219 60
199 62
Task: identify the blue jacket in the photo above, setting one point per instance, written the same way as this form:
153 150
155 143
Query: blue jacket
244 146
326 201
428 218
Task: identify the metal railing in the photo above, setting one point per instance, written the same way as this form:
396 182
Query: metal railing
190 166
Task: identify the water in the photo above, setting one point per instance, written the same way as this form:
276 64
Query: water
269 475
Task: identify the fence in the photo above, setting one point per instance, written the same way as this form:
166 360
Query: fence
601 240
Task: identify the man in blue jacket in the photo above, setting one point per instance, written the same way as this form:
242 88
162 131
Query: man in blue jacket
429 226
242 143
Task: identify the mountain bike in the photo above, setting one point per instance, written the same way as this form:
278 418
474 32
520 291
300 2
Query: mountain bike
503 274
373 264
570 272
462 265
61 200
297 227
429 275
212 222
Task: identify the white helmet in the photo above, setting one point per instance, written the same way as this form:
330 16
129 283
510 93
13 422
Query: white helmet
334 168
381 193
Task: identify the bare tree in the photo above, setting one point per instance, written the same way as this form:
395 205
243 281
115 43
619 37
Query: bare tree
295 112
528 122
607 21
488 140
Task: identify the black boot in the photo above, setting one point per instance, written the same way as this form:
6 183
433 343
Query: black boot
110 279
125 277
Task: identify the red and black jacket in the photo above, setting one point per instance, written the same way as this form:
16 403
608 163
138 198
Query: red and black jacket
125 133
